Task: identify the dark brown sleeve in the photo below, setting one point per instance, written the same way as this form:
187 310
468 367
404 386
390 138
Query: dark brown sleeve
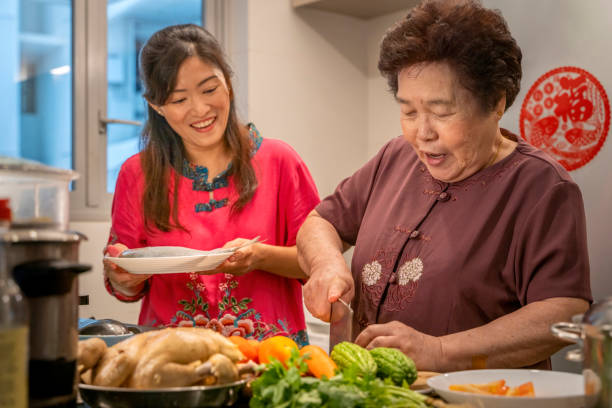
552 258
345 208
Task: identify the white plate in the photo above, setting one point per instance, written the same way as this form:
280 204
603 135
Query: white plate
171 259
171 264
552 388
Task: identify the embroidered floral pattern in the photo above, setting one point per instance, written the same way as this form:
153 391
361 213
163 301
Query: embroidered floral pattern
411 271
371 273
235 317
401 294
374 275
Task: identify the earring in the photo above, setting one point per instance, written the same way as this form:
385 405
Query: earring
499 115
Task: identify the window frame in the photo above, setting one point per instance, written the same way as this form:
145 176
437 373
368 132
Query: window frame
89 200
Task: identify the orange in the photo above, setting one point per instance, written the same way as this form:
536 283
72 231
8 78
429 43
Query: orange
278 347
248 348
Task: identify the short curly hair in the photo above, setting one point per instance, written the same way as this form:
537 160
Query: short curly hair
473 40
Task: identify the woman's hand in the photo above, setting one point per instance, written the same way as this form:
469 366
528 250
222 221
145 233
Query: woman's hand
129 284
426 351
240 262
325 286
320 256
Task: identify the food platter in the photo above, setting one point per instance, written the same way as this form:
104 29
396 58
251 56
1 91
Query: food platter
179 397
552 388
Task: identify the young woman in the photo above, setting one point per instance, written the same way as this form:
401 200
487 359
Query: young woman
205 180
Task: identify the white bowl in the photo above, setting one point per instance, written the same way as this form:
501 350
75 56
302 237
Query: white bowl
552 388
109 339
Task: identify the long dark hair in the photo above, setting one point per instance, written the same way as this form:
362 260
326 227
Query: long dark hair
162 147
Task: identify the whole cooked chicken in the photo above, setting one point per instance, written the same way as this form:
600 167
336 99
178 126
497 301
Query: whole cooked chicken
172 357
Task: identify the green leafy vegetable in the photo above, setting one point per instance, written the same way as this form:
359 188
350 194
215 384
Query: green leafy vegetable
286 388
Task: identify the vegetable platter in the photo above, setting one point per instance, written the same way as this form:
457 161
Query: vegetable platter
350 377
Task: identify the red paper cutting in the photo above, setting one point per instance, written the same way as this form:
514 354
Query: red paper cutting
567 114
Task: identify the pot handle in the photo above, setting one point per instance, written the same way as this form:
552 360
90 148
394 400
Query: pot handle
569 332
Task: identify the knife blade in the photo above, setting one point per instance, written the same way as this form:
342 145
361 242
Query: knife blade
341 322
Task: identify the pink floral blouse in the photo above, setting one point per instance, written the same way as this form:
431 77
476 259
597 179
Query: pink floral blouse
258 304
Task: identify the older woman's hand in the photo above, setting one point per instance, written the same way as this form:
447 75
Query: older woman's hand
426 351
325 286
127 283
240 262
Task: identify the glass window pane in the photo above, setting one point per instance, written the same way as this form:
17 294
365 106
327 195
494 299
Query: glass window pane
130 24
36 80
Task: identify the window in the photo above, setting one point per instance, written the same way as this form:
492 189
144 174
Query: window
71 92
36 81
129 26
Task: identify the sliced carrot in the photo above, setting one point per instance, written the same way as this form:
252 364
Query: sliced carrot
496 388
523 390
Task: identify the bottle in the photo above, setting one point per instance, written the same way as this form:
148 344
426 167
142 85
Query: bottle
13 328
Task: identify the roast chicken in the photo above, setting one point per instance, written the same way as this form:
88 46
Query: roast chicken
172 357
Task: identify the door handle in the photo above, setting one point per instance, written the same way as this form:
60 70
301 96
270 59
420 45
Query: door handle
104 121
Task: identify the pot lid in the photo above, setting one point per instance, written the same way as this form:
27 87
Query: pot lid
31 168
21 235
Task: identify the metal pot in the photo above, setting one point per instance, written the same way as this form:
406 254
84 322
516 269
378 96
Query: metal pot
180 397
44 265
594 336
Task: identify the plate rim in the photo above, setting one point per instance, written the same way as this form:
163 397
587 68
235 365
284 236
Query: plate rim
166 258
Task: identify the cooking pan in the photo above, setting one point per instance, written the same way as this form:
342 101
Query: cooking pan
179 397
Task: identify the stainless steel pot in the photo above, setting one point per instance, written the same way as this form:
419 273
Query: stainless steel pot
594 336
44 263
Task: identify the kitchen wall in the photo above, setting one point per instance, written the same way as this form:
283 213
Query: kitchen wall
383 111
557 33
307 74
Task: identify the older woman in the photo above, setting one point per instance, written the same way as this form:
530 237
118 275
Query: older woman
468 241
